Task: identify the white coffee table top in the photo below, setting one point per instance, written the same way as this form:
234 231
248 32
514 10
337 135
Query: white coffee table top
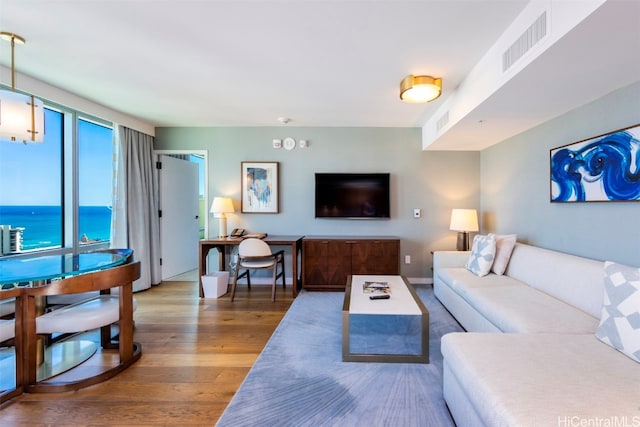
401 301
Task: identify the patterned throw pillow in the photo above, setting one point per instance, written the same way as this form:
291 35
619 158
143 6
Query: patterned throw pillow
620 322
482 254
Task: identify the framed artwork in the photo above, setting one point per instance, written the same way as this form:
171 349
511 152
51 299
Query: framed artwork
604 168
259 187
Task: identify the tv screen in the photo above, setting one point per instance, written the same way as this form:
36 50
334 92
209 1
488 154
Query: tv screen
352 195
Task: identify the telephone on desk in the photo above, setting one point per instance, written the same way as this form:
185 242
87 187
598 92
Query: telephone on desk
241 232
238 232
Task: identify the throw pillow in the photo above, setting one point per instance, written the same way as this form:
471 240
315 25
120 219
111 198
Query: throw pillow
504 247
482 253
620 321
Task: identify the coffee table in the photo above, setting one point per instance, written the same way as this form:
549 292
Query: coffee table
394 330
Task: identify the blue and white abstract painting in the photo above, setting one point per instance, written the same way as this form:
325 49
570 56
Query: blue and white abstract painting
604 168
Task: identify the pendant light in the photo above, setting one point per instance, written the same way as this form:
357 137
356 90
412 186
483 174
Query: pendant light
21 116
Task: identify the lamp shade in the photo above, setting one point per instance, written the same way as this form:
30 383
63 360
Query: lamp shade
464 220
418 89
221 205
21 117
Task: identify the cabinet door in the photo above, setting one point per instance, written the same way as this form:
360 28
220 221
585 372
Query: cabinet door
339 258
326 264
375 257
315 264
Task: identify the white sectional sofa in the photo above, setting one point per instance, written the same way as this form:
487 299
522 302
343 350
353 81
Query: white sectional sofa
530 356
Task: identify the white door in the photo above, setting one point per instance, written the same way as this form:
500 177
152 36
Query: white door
179 223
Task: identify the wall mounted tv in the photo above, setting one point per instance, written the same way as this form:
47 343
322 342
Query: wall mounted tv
352 195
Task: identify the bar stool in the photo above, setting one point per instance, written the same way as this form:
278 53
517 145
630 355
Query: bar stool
67 299
102 311
9 334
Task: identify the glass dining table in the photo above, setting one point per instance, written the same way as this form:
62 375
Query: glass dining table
40 271
37 271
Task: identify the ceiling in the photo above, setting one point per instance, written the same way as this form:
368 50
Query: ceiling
335 63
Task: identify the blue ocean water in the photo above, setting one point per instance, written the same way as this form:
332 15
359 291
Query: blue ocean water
43 224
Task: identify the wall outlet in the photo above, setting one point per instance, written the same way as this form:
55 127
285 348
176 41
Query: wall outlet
417 213
407 259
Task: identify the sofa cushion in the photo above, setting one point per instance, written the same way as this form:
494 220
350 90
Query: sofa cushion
541 379
570 278
513 306
620 322
483 252
461 280
519 308
504 247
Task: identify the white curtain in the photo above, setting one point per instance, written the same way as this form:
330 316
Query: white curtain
135 222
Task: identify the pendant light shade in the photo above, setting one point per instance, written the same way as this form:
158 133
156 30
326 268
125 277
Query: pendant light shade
418 89
21 116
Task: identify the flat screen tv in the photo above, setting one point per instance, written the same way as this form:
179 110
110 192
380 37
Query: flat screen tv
352 195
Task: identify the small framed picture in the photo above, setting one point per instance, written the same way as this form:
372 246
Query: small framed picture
259 187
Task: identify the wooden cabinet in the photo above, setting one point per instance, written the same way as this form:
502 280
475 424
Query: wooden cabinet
328 260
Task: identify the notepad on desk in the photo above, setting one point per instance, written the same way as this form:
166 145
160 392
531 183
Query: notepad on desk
254 236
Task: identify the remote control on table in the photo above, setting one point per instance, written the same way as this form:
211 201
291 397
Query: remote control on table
386 296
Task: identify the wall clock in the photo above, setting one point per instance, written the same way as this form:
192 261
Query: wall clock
289 143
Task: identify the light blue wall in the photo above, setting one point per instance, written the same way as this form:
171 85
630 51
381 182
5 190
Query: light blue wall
508 182
435 182
515 186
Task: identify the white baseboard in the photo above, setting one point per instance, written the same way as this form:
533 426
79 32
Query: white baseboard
289 281
262 281
420 280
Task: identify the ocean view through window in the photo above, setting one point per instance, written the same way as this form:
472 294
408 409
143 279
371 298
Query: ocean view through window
95 181
38 196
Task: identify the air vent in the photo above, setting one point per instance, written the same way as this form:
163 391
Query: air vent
442 122
525 42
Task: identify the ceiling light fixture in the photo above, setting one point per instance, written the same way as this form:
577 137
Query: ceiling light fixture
21 116
420 88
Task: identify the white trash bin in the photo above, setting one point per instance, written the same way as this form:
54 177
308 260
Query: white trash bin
214 285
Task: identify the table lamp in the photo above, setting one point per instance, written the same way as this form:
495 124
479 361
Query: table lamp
220 207
463 221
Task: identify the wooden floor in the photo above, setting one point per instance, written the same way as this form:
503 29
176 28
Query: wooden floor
196 352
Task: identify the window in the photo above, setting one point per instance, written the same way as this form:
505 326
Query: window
55 192
95 182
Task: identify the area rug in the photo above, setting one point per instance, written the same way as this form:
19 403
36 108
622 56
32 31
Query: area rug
300 380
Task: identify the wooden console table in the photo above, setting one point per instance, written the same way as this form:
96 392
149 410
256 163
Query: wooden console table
221 244
329 260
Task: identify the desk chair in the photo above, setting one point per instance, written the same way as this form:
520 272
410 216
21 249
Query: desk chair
255 254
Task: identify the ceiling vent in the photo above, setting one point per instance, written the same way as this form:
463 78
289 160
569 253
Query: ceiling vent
525 42
442 122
